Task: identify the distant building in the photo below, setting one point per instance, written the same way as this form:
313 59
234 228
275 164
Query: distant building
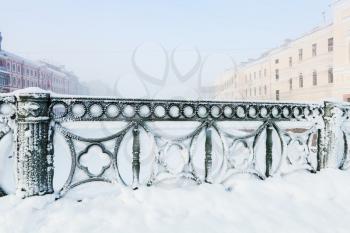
17 72
311 68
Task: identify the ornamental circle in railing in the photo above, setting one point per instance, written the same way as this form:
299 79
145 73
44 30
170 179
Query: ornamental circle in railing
95 110
252 112
307 112
241 112
7 109
215 111
228 111
144 111
78 110
263 112
296 112
202 111
129 111
159 111
59 109
112 111
188 111
174 111
276 112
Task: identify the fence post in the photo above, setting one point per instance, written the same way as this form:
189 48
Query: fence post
331 136
269 145
208 155
136 158
33 162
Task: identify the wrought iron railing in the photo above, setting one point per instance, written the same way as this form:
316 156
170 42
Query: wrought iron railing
222 139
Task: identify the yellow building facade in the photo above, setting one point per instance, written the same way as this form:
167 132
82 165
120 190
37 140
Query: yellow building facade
314 67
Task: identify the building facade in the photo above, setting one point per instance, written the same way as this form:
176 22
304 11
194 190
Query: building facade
312 67
17 73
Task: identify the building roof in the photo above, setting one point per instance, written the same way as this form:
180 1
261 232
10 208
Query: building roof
286 44
6 54
57 70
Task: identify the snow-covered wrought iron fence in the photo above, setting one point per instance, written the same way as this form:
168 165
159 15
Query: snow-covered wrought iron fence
223 139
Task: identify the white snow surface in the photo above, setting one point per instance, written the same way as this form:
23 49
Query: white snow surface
300 202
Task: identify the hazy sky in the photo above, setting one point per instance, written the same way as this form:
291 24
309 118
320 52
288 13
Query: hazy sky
96 39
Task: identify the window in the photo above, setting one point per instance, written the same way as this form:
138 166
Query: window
277 74
254 75
301 80
277 61
265 89
254 91
259 73
277 94
300 54
314 50
290 84
290 61
265 72
330 75
259 91
314 78
330 44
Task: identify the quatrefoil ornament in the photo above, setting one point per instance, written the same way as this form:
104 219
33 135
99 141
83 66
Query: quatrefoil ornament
104 153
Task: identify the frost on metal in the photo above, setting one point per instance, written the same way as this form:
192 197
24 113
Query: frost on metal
7 114
262 139
337 135
34 165
273 133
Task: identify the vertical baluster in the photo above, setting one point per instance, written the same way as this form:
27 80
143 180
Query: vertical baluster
269 145
320 142
136 157
333 119
208 155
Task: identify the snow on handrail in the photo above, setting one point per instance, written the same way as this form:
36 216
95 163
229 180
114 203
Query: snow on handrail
264 150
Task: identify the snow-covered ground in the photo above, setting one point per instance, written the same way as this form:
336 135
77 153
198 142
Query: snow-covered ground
295 203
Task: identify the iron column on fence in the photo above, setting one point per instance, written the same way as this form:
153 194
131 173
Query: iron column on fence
34 164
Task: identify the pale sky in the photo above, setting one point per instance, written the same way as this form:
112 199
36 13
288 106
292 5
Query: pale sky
96 39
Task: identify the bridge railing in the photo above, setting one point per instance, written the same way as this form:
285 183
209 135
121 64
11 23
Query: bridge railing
219 140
